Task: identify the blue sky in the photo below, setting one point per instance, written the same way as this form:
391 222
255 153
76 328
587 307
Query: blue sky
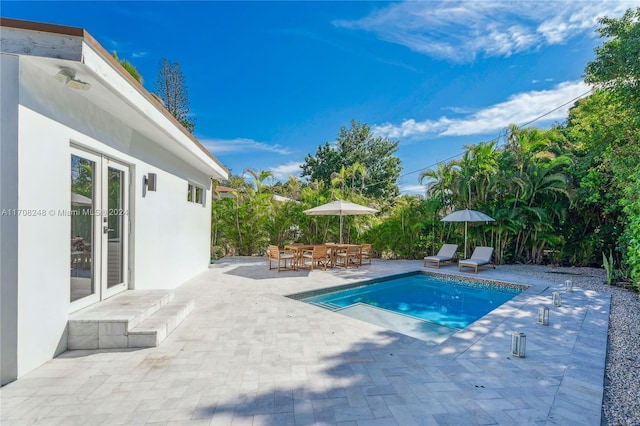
270 81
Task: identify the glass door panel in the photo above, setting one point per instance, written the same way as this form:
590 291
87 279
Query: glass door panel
116 220
99 228
83 195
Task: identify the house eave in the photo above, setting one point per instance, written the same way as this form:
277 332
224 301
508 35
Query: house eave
53 47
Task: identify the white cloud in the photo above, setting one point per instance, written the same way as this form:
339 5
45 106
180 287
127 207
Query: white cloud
458 110
412 189
283 171
460 30
218 146
520 109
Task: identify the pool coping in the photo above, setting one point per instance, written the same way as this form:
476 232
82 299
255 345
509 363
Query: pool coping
326 290
477 282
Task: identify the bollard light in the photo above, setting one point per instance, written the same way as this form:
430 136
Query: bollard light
557 298
518 343
568 286
543 315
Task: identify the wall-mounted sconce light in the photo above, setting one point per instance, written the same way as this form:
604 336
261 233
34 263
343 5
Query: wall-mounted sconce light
518 343
150 181
543 315
568 286
67 76
557 298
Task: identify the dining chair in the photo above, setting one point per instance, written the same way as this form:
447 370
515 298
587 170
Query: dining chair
318 256
281 258
350 256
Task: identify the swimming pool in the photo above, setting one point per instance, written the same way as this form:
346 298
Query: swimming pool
430 308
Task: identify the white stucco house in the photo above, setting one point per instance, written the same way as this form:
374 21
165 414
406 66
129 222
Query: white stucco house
102 192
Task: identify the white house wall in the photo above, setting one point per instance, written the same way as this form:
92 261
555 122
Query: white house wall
169 240
8 224
43 241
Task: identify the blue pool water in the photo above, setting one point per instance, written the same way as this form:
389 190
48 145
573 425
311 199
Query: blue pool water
448 303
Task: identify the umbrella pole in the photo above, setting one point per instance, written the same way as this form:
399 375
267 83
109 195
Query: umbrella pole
465 240
340 229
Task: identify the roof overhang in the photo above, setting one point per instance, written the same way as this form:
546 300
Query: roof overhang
51 48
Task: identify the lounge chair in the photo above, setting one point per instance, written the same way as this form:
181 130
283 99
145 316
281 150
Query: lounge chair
481 256
447 253
281 258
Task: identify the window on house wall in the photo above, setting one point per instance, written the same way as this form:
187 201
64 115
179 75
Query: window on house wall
196 194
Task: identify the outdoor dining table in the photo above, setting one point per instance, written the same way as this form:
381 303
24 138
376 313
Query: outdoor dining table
337 248
298 250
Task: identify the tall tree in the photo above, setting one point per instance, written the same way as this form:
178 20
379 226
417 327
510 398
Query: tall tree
617 63
610 134
376 154
172 89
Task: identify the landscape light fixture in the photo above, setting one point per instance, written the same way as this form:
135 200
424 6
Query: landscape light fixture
67 76
518 343
543 315
568 286
557 298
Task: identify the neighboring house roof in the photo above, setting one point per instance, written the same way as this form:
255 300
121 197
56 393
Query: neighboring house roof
220 191
220 188
53 47
280 198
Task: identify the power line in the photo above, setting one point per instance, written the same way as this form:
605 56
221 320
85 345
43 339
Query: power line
556 108
490 140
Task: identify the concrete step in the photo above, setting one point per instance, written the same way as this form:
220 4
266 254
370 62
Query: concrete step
134 318
152 331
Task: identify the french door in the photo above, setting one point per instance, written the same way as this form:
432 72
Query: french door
99 216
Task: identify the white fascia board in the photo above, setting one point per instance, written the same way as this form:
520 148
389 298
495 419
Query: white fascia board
129 94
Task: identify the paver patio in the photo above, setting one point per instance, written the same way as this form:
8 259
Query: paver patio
247 355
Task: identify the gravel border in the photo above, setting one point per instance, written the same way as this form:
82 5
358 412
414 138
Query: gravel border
621 402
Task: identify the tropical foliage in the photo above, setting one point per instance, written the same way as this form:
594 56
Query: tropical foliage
570 194
129 67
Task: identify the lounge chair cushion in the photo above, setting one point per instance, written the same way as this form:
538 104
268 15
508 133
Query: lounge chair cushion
445 254
481 256
475 262
440 258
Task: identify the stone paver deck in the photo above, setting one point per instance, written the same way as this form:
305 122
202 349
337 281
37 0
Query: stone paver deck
247 355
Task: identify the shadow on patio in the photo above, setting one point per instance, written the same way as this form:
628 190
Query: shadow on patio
396 382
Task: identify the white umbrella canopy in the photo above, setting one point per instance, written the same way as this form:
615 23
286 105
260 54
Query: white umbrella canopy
340 208
80 199
467 216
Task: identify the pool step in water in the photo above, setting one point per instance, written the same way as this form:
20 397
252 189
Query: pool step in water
327 305
419 329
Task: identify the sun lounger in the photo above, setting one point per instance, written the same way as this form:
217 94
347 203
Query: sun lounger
447 253
481 256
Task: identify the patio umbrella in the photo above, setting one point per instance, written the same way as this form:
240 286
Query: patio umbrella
466 216
340 208
80 199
